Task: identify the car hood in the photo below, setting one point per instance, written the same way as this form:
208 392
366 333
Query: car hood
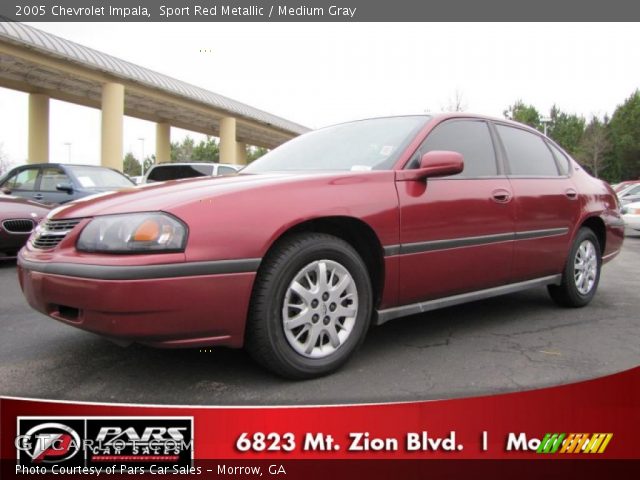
169 195
12 207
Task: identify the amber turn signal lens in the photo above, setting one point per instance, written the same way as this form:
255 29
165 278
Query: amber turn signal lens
147 231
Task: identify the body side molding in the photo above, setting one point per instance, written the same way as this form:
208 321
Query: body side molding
421 307
433 245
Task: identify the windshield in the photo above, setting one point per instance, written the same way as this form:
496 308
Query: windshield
97 177
364 145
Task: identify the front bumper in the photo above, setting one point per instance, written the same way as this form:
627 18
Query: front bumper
136 304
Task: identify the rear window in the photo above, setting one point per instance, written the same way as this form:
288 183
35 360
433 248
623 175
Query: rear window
164 173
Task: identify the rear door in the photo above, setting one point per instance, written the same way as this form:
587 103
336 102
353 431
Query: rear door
456 232
546 202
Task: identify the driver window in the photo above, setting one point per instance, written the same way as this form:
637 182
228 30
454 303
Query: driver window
471 138
52 176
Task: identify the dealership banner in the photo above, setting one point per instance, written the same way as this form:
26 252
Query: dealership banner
316 11
589 427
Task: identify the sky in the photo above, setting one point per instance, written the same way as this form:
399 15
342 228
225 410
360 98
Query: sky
318 74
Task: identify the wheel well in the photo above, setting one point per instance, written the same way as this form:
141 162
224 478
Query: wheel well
596 224
356 233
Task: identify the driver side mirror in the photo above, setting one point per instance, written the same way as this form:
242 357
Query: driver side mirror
65 187
437 163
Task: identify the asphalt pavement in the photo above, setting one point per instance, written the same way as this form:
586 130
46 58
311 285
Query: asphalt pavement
510 343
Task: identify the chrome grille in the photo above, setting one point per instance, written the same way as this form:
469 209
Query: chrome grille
50 233
18 225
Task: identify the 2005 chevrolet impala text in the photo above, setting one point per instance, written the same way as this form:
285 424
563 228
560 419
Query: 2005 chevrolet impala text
338 229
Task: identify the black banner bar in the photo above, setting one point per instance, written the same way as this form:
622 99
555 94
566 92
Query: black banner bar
316 10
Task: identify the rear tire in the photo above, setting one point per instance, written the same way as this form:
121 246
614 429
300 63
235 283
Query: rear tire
581 273
311 306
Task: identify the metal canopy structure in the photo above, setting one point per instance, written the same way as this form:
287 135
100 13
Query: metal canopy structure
38 62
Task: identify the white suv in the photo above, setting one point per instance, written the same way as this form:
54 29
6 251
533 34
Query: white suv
174 171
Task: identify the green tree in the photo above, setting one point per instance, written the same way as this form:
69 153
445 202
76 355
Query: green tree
206 151
595 146
566 129
131 165
624 129
253 153
527 114
183 151
187 151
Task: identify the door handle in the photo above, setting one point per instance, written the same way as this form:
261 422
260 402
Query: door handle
38 196
571 193
501 195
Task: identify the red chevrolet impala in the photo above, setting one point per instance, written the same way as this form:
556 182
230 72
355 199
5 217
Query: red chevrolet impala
340 228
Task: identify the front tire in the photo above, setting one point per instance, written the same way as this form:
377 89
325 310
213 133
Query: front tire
582 272
311 306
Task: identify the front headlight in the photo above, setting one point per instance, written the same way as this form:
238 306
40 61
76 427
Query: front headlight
133 233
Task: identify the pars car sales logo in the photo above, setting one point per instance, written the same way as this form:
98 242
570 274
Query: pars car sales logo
77 442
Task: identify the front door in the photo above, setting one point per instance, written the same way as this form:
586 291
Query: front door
50 178
456 232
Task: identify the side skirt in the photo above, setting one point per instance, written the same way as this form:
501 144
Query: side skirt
421 307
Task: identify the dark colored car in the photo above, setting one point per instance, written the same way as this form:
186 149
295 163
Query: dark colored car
164 172
18 218
60 183
346 226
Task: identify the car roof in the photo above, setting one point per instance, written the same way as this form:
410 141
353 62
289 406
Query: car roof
169 164
192 164
54 164
450 115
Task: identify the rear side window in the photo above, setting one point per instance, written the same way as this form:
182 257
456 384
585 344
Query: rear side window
468 137
222 170
164 173
24 180
527 153
561 158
